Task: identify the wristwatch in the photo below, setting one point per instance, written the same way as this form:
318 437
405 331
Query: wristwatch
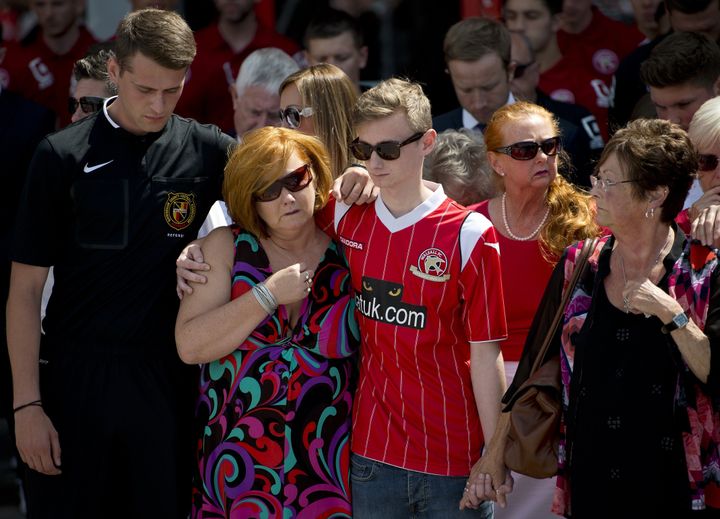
678 321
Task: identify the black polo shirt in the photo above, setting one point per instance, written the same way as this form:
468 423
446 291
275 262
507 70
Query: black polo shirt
112 211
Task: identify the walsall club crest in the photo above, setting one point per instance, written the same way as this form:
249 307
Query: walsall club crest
431 265
180 209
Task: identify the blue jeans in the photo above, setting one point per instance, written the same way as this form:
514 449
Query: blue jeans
381 491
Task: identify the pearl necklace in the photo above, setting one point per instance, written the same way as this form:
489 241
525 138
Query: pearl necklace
512 234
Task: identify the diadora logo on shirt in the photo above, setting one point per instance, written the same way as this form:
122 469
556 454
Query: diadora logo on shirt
432 264
180 209
381 300
352 244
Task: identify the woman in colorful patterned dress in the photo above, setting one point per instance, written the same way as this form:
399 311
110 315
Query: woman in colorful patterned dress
274 330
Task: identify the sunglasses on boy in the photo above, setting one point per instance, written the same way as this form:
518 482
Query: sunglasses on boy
294 181
707 162
89 104
292 114
386 150
527 150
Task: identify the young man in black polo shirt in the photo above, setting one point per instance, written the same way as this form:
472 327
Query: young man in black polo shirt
103 419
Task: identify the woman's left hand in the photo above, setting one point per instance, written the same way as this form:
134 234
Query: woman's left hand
645 297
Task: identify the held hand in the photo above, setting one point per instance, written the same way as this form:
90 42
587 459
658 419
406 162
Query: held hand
290 284
489 480
37 441
705 217
354 186
188 265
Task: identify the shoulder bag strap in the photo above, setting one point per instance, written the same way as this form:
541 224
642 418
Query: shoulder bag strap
578 271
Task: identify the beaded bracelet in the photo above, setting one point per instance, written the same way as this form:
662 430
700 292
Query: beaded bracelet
37 403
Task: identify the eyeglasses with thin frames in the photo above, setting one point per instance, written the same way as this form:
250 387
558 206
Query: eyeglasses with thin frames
294 181
386 150
605 183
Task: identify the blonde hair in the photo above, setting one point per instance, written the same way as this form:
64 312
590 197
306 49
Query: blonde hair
393 95
331 94
259 161
572 212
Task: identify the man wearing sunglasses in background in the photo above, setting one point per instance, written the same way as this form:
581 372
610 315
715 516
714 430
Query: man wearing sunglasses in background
91 83
427 282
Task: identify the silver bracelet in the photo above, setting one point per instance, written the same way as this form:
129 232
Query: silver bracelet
265 298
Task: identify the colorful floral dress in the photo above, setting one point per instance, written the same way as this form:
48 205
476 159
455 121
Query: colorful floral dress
275 413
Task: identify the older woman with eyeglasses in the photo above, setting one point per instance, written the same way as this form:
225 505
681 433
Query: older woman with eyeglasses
638 344
536 215
274 331
318 101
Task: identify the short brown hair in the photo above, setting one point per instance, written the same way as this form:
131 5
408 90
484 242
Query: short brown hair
162 36
682 57
472 38
655 153
259 161
391 96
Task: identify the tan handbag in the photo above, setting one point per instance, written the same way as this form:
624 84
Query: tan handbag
531 445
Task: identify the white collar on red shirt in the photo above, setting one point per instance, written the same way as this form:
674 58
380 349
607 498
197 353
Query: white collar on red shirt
397 224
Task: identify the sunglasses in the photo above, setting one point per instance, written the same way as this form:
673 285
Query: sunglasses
527 150
520 69
294 181
386 150
292 114
89 104
707 162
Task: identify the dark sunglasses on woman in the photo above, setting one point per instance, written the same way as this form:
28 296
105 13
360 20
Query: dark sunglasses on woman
89 104
294 181
527 150
386 150
292 114
707 162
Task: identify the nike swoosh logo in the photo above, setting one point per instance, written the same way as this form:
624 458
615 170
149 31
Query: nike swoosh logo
90 169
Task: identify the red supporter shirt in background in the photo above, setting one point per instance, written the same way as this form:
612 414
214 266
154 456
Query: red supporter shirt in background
35 72
206 97
425 285
590 59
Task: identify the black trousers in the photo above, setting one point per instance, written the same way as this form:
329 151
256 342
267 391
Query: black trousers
124 420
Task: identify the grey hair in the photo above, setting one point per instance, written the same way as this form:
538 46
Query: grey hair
267 68
459 163
704 130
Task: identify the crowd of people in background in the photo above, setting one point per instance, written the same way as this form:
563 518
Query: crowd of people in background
267 258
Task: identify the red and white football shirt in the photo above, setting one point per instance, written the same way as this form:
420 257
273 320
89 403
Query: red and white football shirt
425 285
